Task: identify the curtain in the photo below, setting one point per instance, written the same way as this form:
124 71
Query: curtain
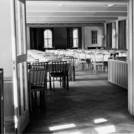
122 34
80 37
37 38
69 37
109 36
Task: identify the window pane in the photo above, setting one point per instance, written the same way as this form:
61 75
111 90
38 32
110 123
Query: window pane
75 43
75 33
49 43
49 34
46 43
48 38
94 37
75 38
45 34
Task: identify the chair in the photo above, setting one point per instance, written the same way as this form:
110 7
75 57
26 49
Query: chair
98 62
37 82
28 65
72 61
59 70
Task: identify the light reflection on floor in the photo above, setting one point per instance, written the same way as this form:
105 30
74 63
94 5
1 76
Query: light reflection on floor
61 127
106 129
100 120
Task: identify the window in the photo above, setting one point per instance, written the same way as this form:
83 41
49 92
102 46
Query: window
94 37
47 38
75 37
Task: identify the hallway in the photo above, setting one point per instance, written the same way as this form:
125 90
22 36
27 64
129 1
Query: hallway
91 106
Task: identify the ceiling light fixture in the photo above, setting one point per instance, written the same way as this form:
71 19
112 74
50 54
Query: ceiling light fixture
110 5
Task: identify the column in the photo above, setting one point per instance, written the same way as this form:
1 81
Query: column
113 35
105 33
83 38
116 39
28 38
131 57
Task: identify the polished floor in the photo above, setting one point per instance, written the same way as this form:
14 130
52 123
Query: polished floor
91 106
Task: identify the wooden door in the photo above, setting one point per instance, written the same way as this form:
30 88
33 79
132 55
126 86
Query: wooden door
20 86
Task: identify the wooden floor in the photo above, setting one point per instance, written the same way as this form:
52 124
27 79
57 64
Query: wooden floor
91 106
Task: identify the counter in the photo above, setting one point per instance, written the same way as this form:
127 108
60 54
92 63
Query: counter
118 72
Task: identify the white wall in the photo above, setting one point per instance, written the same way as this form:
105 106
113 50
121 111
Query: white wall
87 33
5 38
6 55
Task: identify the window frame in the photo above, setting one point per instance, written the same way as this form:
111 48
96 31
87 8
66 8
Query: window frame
48 39
76 38
94 37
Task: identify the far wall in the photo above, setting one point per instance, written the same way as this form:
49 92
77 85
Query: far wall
60 37
86 31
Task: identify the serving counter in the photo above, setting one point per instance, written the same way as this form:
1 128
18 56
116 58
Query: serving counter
118 72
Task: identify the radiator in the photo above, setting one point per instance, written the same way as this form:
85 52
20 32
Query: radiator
118 72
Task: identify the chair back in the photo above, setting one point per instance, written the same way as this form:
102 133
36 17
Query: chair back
59 66
40 65
70 60
37 77
98 58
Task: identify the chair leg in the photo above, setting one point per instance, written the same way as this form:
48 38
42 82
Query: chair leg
30 101
42 101
60 81
50 83
67 83
73 73
63 82
53 82
36 100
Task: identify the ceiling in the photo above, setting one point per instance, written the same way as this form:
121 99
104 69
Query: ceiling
41 12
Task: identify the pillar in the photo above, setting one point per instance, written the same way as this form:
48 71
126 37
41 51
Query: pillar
105 33
83 38
28 38
131 56
116 39
114 35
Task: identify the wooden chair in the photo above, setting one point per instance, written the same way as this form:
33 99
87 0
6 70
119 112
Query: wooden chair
28 65
37 82
98 62
59 70
72 61
43 65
